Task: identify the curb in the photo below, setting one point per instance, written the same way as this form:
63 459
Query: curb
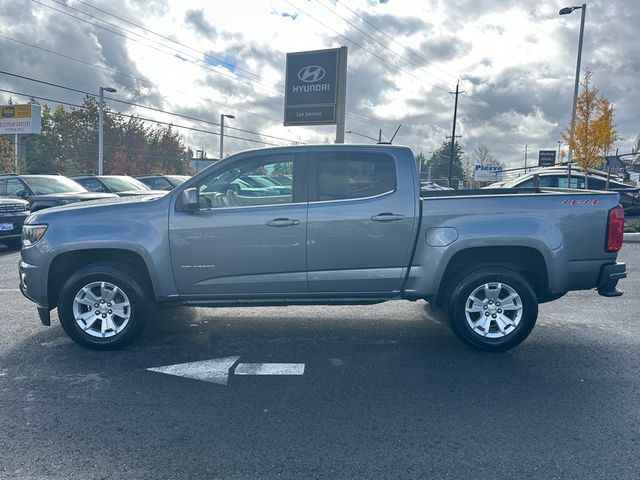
631 237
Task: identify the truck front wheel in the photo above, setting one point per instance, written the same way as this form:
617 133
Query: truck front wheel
102 306
492 309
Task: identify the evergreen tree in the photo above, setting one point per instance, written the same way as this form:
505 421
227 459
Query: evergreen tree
438 165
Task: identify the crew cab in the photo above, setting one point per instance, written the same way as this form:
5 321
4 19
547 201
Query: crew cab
354 228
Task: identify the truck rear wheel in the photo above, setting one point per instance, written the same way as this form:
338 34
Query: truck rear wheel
492 309
103 306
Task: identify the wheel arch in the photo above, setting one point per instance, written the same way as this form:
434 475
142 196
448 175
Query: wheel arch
527 261
65 264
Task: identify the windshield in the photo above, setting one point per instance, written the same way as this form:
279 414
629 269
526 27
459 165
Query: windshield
176 180
562 181
123 184
46 184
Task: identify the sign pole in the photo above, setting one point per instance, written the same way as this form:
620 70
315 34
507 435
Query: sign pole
16 150
342 95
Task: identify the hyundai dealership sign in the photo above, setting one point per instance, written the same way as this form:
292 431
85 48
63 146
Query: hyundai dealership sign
314 89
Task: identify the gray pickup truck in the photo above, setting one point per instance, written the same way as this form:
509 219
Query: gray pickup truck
325 224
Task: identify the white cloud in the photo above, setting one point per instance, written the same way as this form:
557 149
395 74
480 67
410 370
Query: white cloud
516 59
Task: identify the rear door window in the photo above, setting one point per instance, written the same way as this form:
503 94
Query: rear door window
350 175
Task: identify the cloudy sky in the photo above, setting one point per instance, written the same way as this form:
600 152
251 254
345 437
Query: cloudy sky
515 60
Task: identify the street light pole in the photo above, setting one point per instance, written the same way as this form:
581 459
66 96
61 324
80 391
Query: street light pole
222 117
566 11
101 127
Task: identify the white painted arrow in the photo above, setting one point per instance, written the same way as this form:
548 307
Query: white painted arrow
214 371
217 369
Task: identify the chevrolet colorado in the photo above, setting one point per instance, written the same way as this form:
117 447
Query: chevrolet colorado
352 227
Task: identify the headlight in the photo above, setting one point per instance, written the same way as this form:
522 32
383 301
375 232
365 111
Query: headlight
32 233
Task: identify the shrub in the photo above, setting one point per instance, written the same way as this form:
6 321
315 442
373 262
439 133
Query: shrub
632 226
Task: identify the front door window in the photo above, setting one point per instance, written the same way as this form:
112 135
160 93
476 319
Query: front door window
248 184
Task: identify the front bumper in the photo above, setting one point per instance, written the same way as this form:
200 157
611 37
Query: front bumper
33 287
609 276
12 224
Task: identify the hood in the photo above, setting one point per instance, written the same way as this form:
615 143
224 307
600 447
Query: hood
71 196
13 204
111 203
132 193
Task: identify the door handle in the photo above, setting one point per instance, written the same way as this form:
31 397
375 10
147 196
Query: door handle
387 217
282 222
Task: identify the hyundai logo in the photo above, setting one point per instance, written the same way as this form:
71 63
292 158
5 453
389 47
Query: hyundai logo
311 73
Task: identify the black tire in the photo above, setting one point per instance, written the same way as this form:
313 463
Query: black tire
130 292
508 328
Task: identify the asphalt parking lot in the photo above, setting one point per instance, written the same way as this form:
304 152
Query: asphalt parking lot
383 391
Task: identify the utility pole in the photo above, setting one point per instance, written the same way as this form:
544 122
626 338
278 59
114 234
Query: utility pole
526 149
453 133
101 127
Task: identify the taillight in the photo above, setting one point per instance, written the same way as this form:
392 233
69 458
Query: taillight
615 229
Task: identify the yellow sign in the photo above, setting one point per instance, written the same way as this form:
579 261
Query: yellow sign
15 111
20 120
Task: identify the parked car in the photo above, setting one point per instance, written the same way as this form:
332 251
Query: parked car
429 185
121 185
552 178
267 183
355 229
13 212
163 182
44 191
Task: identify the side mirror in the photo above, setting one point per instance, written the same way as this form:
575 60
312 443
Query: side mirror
21 193
189 200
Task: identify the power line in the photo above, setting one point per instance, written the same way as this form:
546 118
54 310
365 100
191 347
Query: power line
493 136
187 117
351 115
480 109
386 47
403 58
188 47
279 85
391 64
411 51
236 77
116 72
28 95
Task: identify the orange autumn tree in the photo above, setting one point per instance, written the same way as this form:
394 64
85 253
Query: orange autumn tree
595 132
